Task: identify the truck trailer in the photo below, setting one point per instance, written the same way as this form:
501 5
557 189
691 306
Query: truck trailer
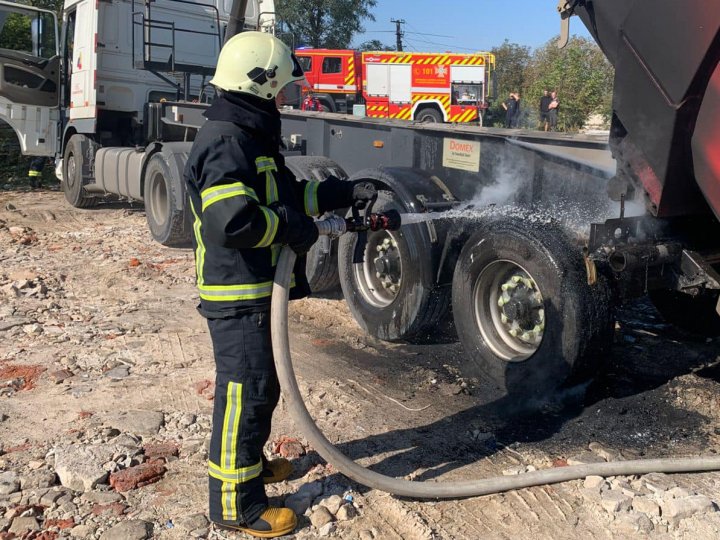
524 240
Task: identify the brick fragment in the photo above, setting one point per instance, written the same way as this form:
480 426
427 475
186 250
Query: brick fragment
137 477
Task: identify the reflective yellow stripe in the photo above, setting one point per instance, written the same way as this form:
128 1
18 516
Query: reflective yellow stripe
227 499
225 191
272 221
265 163
312 207
231 293
200 250
228 449
235 476
34 173
271 189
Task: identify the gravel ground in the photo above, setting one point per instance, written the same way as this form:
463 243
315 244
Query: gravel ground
106 387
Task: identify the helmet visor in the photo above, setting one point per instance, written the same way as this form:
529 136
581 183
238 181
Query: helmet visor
297 68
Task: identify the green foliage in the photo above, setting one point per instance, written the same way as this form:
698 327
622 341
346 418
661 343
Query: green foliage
324 23
15 33
375 45
13 165
581 76
579 73
51 5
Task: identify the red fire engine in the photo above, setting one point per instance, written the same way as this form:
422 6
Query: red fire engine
425 87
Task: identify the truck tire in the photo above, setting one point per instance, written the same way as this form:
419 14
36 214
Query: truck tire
693 314
168 225
429 115
321 266
388 294
524 312
76 171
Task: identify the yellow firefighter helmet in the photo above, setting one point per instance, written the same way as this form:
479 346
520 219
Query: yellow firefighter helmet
256 63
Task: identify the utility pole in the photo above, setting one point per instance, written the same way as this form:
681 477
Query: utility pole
398 33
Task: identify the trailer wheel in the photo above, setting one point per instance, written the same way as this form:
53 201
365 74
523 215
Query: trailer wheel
168 225
76 169
694 314
388 294
524 312
321 265
429 115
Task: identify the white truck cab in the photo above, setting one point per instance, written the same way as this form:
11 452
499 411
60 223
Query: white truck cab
115 83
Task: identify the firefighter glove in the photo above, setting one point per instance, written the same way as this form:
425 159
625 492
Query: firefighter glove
362 193
297 231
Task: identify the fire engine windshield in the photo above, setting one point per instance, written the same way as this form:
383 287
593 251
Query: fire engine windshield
27 32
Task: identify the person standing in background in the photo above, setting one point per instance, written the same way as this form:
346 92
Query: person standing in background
511 107
553 109
545 109
37 164
515 121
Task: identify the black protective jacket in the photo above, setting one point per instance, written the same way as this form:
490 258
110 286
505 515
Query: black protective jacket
234 172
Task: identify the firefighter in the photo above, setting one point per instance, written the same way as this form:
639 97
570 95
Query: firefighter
246 206
37 164
310 103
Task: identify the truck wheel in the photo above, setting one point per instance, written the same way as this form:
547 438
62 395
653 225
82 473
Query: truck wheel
388 294
76 170
168 225
428 115
524 312
321 265
694 314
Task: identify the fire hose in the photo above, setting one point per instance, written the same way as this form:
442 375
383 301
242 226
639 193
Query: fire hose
335 226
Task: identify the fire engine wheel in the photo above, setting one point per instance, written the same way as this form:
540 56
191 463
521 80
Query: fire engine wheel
321 265
694 314
168 225
388 294
428 115
524 312
76 171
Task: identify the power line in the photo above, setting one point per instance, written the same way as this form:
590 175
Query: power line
429 35
445 45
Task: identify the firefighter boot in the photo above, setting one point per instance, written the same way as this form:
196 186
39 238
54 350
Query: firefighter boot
273 522
276 470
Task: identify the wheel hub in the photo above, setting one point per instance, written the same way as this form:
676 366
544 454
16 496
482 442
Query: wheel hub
71 170
509 310
387 265
380 276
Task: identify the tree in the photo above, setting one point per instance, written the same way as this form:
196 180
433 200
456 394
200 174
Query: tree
375 45
324 23
579 73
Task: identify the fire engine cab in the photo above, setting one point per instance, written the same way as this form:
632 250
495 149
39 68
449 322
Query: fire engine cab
425 87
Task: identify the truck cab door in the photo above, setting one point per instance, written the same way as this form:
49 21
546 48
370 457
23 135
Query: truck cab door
29 76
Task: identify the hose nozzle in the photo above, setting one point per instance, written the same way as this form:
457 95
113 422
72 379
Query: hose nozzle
386 221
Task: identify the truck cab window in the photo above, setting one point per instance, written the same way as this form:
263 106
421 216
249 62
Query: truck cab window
30 33
332 64
305 63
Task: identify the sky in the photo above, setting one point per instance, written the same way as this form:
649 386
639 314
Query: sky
466 25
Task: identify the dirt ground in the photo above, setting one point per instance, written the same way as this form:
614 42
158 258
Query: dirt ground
103 357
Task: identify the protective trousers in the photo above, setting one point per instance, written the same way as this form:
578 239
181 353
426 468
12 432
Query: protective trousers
246 393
